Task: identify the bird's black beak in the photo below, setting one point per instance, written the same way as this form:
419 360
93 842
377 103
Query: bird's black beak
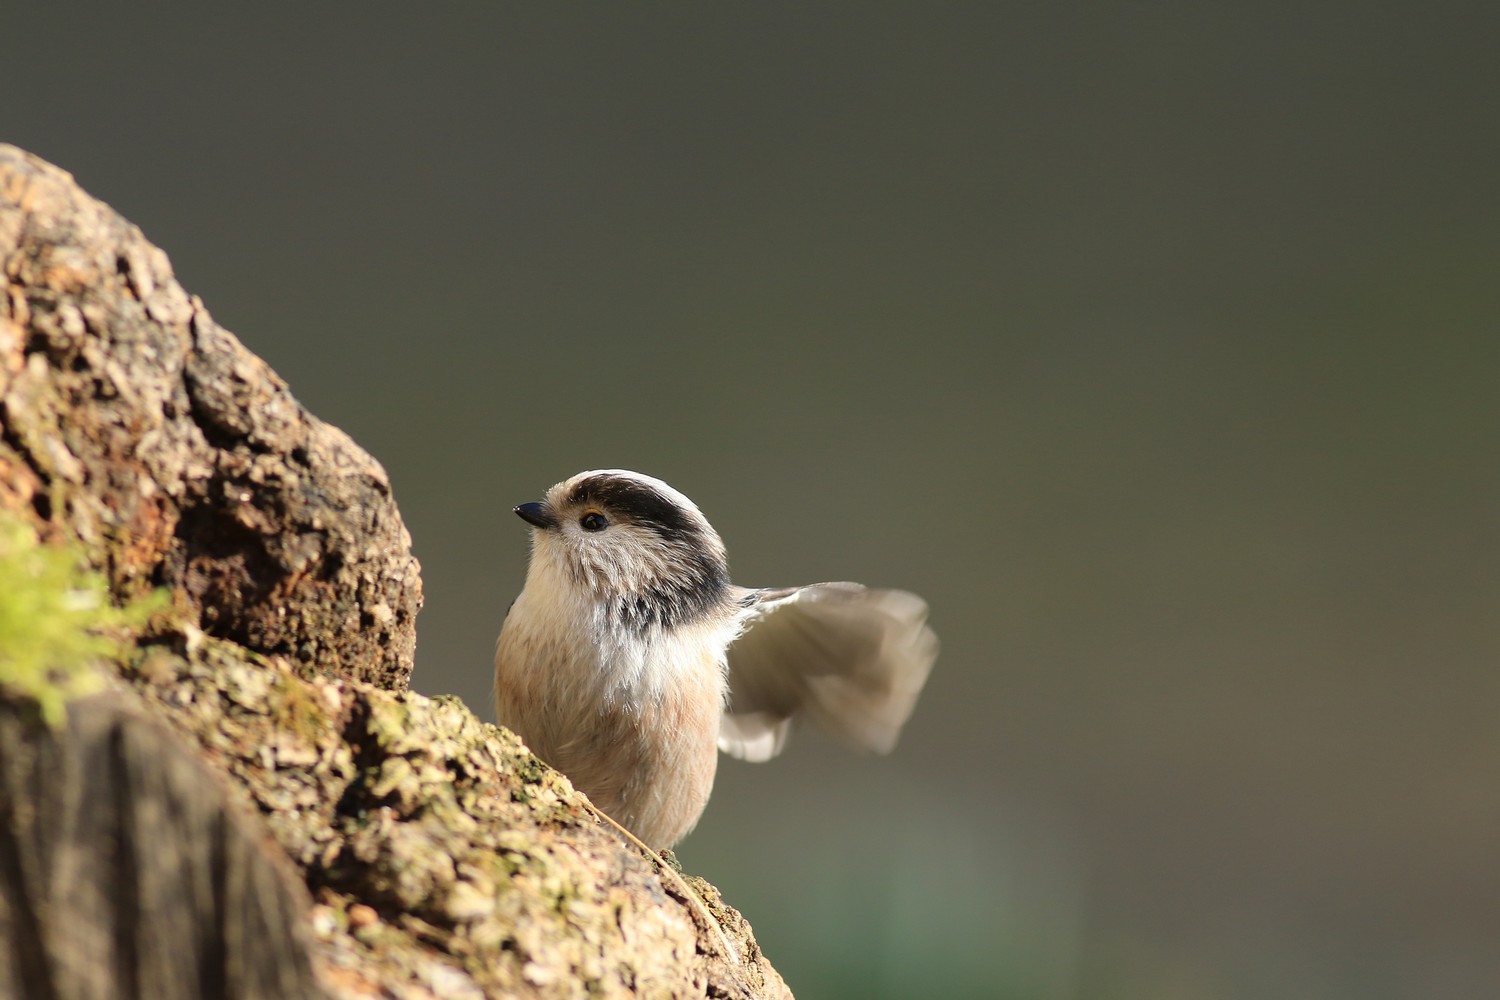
536 515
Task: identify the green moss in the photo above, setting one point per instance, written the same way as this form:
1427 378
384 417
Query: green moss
56 621
296 708
389 722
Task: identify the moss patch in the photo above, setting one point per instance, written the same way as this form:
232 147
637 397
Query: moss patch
57 621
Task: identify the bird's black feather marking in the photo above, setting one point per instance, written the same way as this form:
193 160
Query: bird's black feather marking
699 577
639 502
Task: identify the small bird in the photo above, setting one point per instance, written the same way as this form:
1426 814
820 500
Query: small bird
629 659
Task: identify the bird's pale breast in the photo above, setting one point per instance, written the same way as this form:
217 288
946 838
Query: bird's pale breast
633 725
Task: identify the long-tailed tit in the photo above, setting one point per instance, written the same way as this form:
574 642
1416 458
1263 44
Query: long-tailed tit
629 659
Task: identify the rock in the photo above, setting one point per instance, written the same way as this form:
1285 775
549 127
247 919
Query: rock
137 425
310 826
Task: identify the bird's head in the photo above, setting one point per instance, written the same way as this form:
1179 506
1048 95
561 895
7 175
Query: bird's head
632 544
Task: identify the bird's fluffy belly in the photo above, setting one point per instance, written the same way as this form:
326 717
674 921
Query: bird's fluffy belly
634 725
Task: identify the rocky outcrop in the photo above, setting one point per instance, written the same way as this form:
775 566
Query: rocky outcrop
250 803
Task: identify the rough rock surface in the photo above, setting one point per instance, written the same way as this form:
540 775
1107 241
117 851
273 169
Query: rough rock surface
132 421
420 852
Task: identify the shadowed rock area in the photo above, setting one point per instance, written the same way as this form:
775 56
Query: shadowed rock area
251 803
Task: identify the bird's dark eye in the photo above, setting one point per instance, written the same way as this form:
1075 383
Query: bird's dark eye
593 521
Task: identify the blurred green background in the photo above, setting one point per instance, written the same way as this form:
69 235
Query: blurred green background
1156 345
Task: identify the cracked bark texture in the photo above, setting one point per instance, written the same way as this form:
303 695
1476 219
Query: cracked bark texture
256 788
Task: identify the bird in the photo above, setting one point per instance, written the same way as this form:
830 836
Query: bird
630 660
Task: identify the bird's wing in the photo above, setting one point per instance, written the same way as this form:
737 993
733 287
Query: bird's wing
851 658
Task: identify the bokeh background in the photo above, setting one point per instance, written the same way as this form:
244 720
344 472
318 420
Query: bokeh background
1155 344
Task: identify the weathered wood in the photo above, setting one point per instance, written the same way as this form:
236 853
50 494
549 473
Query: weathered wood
125 872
